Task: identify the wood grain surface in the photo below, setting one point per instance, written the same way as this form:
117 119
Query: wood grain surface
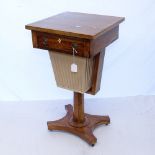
75 24
77 122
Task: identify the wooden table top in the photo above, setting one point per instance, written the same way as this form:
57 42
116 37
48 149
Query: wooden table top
81 25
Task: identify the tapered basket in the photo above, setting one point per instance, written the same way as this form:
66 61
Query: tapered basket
79 81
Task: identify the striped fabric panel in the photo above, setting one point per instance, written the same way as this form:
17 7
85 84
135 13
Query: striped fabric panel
77 82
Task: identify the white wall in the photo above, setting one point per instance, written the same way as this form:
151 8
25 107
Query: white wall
26 73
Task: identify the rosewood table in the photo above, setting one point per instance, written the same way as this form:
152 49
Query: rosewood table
83 36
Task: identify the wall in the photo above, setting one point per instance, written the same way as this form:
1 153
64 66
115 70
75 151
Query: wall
26 73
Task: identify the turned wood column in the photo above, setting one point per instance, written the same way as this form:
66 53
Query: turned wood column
78 114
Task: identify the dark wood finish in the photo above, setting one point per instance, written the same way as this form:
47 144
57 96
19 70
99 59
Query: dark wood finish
34 39
98 44
81 25
85 47
78 115
61 43
97 73
85 131
89 34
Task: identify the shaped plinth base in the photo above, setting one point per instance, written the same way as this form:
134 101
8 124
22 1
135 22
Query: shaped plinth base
84 129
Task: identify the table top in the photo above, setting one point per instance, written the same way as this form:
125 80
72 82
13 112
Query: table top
82 25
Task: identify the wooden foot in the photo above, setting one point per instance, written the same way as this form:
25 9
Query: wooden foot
82 129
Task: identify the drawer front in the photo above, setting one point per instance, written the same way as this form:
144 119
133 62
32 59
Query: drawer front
62 44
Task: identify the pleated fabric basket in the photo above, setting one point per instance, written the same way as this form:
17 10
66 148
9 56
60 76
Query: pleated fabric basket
79 81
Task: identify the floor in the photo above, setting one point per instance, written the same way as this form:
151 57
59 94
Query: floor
23 128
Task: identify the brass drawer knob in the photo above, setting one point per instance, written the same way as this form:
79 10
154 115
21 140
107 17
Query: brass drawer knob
45 41
74 45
